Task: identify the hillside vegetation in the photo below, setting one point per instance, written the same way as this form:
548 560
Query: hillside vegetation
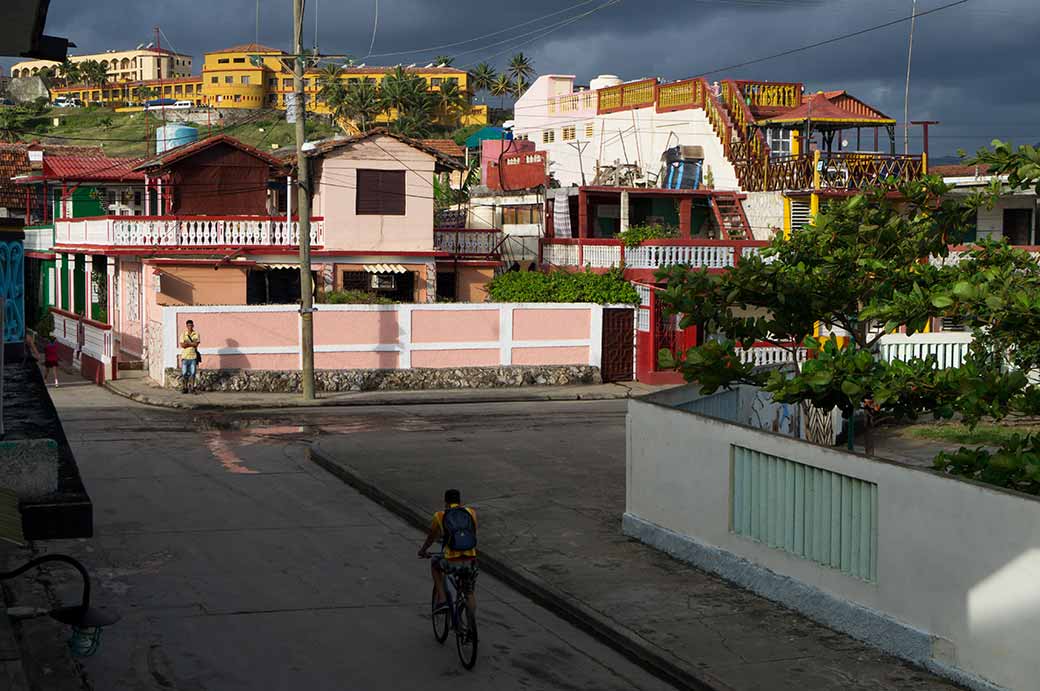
132 134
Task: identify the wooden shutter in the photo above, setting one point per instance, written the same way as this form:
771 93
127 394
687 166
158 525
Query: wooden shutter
380 193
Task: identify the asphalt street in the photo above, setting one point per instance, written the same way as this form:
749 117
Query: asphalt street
239 564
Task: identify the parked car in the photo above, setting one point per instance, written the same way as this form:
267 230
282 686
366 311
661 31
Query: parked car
183 104
66 102
159 103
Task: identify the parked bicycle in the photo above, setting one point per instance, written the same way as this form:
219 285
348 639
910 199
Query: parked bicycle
453 614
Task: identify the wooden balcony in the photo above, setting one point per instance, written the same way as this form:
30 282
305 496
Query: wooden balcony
184 232
839 171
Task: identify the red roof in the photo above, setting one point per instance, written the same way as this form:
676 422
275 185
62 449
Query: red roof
91 168
181 152
448 147
820 109
14 160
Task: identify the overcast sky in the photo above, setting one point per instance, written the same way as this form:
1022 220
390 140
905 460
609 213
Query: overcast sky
975 66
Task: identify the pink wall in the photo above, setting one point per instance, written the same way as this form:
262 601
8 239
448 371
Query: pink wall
130 329
371 337
549 324
464 326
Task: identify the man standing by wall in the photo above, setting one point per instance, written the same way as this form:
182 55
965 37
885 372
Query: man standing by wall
190 357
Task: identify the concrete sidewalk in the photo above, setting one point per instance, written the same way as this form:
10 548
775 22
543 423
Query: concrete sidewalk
550 526
137 387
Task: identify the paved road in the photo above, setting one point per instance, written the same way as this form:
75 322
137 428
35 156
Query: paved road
238 564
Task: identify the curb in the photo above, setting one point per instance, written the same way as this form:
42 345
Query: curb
532 397
549 597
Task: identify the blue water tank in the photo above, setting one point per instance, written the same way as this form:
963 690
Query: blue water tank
177 134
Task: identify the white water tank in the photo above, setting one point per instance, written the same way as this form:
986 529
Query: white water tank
604 80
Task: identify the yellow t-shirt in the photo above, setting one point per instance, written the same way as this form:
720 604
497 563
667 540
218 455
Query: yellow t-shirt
192 352
437 527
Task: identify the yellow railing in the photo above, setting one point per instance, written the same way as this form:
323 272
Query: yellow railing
633 95
772 94
684 94
609 99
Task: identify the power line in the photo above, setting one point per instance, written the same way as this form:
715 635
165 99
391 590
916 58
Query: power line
375 26
511 27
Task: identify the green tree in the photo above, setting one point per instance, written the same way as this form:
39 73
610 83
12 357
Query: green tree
405 92
519 87
449 98
145 93
845 272
520 68
482 77
70 72
49 75
443 61
412 124
331 89
501 87
361 104
93 72
13 124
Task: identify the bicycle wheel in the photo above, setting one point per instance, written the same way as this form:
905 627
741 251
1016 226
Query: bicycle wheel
441 618
466 636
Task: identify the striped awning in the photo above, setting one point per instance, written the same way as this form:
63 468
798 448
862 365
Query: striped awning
385 269
281 266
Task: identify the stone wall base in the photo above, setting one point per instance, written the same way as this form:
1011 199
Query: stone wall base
288 381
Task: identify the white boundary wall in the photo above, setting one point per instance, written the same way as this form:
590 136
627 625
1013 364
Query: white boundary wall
958 563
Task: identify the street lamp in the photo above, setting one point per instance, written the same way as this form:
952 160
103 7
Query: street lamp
86 621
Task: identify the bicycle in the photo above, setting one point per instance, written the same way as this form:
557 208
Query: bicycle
454 615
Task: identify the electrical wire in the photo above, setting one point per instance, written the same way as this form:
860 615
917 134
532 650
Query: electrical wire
375 27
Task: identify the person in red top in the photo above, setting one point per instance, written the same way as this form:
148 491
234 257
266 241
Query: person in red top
50 359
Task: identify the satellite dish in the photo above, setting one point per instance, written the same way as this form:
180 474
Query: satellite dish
844 143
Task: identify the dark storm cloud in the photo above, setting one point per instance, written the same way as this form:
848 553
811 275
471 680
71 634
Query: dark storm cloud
974 65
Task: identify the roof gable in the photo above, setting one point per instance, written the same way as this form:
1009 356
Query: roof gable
444 162
185 151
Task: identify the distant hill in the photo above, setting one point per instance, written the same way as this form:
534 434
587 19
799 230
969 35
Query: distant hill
131 134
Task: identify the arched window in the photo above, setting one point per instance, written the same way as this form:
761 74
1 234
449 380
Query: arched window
35 70
125 64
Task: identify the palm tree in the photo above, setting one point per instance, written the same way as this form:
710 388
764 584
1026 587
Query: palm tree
330 85
145 93
520 67
70 72
482 77
406 93
362 103
443 61
519 87
93 73
450 98
414 125
501 87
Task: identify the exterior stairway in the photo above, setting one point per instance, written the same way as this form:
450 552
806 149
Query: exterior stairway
730 217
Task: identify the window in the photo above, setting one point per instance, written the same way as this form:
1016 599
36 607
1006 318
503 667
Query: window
238 98
370 80
222 61
451 80
570 133
779 141
239 60
356 280
213 80
177 89
436 81
590 130
1018 226
548 136
380 193
272 82
272 98
286 83
521 215
229 80
245 79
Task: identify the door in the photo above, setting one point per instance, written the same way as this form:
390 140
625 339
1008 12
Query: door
1018 226
618 331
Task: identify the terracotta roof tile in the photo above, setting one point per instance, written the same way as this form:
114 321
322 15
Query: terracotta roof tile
91 168
185 150
448 147
248 48
14 160
959 170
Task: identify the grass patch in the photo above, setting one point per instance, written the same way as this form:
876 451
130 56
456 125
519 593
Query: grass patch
983 434
131 134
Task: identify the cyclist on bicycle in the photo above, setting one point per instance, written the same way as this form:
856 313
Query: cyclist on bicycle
456 527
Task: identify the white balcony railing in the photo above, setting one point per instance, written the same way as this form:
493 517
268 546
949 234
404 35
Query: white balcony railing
39 239
949 347
195 231
694 256
602 256
560 255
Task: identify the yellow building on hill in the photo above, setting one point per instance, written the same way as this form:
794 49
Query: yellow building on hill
231 78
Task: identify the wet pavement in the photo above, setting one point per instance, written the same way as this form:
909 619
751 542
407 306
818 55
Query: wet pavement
239 564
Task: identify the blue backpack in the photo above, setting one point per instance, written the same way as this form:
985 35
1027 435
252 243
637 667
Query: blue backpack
460 530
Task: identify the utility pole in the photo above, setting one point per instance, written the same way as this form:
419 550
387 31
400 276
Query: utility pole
906 95
303 211
580 148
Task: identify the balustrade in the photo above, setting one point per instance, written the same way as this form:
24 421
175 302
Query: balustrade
131 231
467 242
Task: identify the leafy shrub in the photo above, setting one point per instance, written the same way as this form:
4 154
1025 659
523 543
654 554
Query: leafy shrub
610 288
635 235
353 297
